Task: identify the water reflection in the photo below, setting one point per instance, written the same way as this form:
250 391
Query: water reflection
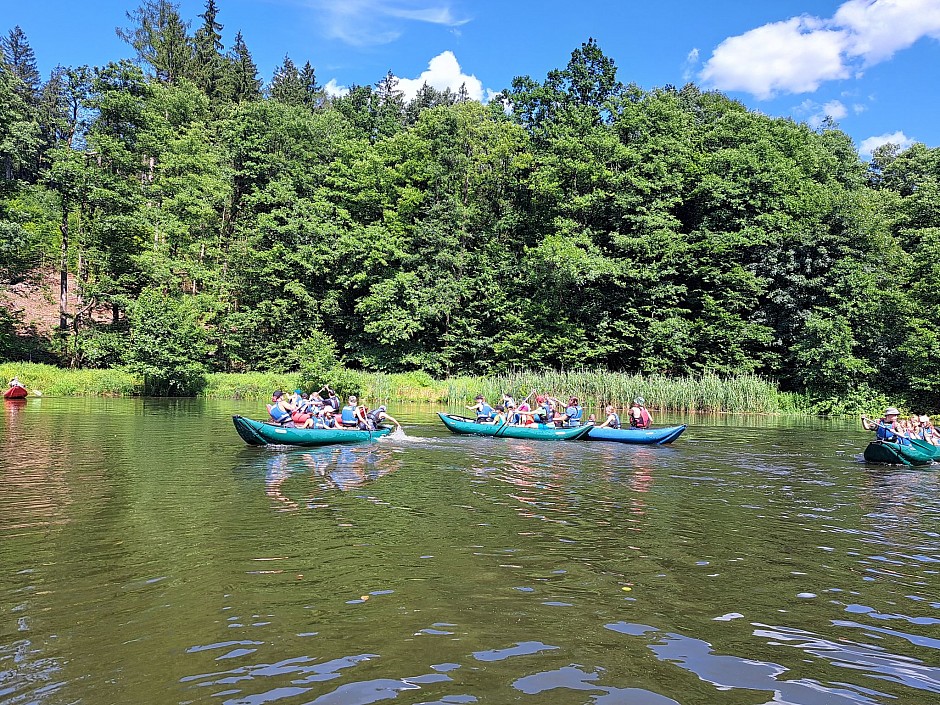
147 555
314 471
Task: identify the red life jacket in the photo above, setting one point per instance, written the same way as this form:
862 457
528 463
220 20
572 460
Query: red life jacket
645 420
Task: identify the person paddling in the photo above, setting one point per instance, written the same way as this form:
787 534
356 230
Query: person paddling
484 412
887 427
927 431
348 414
379 415
573 412
280 409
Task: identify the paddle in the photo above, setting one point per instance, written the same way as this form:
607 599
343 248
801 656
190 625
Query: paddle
926 447
886 427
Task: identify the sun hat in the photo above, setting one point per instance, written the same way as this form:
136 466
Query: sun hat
381 408
353 398
891 411
298 391
924 418
639 400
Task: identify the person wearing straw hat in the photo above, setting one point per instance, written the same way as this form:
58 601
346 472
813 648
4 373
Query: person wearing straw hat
887 427
926 430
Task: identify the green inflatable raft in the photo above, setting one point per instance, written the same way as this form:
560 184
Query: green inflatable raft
918 454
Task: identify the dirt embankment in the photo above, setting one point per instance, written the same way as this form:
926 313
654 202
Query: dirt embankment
34 302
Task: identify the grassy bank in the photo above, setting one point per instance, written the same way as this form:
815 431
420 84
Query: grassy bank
708 393
59 382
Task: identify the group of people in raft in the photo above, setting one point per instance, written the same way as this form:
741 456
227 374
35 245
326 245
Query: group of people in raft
546 409
894 429
302 410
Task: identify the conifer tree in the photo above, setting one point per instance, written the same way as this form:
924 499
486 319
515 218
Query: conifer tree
161 39
18 57
308 81
241 74
208 63
287 85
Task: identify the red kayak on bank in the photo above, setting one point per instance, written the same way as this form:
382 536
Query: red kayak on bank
15 393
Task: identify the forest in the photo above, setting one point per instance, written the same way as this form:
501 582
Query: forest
200 218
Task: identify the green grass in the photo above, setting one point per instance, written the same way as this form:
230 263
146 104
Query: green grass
707 393
58 382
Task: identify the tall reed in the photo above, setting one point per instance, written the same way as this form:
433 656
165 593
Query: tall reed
705 393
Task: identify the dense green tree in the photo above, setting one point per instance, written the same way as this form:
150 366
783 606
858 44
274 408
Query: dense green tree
287 86
208 64
166 344
20 134
18 57
240 80
161 39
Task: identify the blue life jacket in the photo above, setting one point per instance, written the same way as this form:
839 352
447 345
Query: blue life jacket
278 414
348 416
616 423
542 413
883 432
484 412
574 415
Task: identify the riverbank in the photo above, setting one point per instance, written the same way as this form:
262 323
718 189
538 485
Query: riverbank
708 393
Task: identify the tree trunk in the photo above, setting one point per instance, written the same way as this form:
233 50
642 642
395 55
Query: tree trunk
64 270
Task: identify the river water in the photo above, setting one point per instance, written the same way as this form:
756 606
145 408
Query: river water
147 555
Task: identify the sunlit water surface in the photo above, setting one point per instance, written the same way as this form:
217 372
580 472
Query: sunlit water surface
147 555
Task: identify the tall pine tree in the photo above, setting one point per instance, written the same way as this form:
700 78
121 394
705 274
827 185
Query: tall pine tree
240 79
18 57
208 63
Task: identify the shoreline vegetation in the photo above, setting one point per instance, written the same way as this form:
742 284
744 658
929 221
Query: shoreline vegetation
172 215
707 393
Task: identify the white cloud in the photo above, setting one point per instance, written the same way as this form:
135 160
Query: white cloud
334 90
878 28
794 56
799 54
816 113
688 68
872 143
833 109
444 72
370 22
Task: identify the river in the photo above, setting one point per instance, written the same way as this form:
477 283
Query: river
147 555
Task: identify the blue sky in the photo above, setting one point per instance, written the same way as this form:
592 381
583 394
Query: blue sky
870 64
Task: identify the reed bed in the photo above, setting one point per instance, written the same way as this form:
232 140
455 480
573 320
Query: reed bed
706 393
